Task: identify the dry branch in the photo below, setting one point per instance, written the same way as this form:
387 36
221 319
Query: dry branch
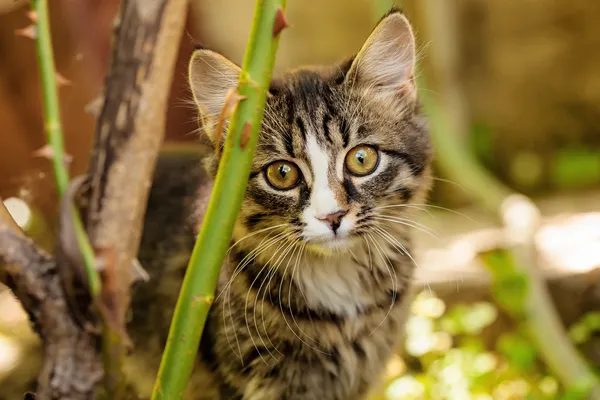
129 133
72 366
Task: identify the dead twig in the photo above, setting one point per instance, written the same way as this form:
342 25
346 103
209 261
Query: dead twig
72 366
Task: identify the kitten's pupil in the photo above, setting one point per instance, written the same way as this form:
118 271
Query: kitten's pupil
361 155
283 170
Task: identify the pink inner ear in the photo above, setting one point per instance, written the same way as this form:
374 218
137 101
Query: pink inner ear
408 88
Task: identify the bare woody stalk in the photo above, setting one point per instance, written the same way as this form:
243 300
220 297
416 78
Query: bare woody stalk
129 133
519 215
197 292
71 368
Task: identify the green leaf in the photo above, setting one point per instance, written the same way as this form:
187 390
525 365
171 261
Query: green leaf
519 352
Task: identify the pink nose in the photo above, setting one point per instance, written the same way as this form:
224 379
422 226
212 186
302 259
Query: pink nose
334 219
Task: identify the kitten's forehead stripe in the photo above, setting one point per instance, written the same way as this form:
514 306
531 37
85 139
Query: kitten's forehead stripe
325 128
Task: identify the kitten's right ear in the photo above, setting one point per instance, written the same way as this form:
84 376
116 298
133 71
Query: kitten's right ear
211 76
386 61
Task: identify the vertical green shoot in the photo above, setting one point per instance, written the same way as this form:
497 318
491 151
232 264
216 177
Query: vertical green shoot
197 292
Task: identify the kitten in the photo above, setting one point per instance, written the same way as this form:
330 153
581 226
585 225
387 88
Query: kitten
314 290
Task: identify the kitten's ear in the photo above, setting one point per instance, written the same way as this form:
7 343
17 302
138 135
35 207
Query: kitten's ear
211 76
386 62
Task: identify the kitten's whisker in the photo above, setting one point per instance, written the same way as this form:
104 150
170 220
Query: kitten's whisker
370 255
254 234
270 277
394 278
294 270
431 206
399 246
289 306
415 224
271 272
394 242
227 289
299 287
409 223
246 306
411 206
249 257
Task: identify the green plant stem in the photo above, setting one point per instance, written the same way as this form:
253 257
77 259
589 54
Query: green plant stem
52 119
54 133
197 292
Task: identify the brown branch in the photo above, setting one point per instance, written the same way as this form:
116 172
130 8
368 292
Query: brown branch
71 367
129 133
131 127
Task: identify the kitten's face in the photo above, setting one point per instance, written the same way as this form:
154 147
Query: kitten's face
336 147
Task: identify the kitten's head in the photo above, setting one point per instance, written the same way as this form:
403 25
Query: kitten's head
339 148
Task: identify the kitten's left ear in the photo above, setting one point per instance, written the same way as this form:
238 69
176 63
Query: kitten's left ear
386 61
211 76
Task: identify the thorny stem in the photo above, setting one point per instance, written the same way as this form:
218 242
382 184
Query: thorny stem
52 121
53 126
197 292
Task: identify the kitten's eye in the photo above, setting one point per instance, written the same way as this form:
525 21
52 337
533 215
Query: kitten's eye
282 175
362 160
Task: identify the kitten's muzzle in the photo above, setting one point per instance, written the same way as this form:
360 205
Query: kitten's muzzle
334 219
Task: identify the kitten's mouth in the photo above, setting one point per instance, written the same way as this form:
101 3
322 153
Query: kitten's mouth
330 244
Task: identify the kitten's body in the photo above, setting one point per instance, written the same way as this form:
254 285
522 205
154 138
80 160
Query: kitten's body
307 308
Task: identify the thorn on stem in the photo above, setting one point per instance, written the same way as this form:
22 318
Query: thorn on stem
47 152
139 274
246 135
61 80
30 32
202 298
231 101
94 107
33 16
280 22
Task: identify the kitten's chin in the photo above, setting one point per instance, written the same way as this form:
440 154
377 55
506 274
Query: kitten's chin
330 246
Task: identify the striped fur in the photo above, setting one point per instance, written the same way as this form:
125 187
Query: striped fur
305 311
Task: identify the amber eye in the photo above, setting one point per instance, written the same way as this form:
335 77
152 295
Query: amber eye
362 160
282 175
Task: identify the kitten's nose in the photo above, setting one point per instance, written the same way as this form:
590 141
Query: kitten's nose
334 219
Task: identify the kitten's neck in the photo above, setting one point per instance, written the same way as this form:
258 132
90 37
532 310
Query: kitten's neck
351 283
342 285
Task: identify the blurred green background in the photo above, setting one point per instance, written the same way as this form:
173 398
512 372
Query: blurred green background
521 84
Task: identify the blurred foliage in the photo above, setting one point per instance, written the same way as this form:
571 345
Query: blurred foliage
446 357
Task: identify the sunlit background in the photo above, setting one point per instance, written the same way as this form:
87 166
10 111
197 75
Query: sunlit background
520 82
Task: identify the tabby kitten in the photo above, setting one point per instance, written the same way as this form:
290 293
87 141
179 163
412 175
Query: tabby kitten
313 293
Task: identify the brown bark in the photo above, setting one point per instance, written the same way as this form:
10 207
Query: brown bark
72 366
